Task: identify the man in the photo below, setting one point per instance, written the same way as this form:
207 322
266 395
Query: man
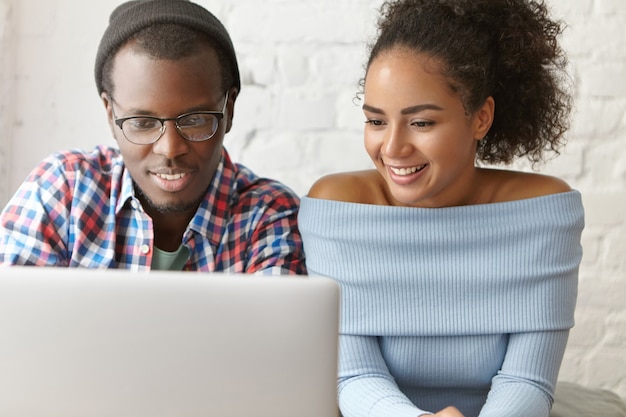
169 197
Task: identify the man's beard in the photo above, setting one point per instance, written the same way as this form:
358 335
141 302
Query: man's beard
178 207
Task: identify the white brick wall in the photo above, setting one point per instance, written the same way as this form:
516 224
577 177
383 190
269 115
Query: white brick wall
295 119
6 93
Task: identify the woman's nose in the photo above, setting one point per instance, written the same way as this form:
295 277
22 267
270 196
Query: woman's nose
396 143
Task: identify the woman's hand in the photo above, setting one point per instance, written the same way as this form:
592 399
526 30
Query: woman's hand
449 412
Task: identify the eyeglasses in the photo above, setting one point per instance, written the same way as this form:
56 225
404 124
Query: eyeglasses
194 127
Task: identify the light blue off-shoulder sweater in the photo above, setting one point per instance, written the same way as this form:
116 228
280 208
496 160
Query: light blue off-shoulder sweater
467 306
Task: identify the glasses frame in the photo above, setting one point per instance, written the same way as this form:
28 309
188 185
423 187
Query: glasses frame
218 114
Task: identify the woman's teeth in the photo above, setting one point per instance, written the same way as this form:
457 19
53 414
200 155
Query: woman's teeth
406 171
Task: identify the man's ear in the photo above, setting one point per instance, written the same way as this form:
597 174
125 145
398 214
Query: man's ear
108 106
483 119
230 108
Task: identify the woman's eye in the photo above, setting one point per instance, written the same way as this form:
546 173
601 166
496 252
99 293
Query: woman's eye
374 122
422 124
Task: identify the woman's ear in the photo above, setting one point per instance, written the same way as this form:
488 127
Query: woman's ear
108 106
483 119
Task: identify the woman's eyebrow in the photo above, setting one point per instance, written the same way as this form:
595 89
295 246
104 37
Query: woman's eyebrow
420 108
372 109
409 110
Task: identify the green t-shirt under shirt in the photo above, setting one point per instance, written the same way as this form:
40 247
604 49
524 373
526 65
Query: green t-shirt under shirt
170 261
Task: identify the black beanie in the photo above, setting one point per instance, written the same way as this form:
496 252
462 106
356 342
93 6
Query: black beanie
133 16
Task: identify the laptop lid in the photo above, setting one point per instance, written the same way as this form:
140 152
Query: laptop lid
81 343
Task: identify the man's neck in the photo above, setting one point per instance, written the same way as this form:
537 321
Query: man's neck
169 229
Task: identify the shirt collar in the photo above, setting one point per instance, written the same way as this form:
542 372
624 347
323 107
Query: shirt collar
212 216
127 192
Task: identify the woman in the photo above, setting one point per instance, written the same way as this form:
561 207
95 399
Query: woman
458 281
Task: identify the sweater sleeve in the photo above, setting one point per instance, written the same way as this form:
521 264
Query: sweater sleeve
366 388
524 386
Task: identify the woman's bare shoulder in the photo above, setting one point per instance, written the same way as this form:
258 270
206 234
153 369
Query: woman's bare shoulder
354 187
515 185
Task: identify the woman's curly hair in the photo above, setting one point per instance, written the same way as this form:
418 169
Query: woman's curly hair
506 49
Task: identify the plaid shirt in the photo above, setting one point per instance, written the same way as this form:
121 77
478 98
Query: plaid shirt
79 209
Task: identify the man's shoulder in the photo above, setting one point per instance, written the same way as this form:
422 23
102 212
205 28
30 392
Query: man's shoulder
101 159
250 186
84 172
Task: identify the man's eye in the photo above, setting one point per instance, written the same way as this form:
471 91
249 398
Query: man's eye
141 123
196 120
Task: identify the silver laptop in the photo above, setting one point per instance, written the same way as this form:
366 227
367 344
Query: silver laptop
87 343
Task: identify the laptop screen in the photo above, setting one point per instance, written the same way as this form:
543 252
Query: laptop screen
78 343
